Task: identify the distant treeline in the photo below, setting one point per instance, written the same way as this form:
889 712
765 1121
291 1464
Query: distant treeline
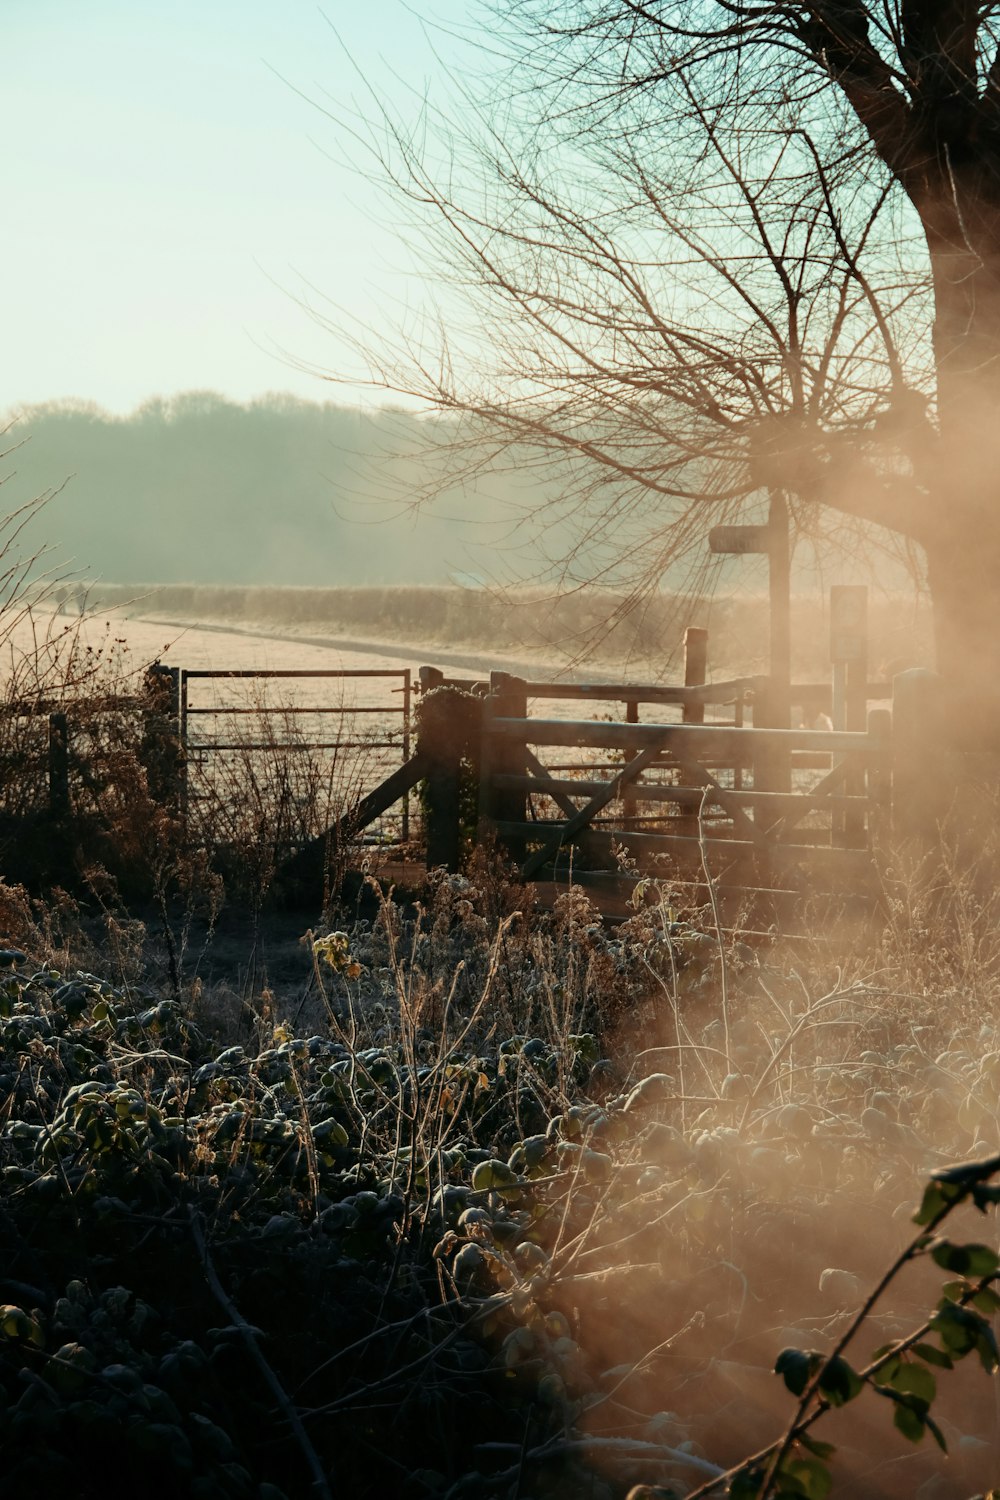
591 626
288 493
279 491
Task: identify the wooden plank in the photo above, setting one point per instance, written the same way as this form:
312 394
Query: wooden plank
814 694
560 792
739 539
697 775
401 781
625 692
702 740
695 672
731 897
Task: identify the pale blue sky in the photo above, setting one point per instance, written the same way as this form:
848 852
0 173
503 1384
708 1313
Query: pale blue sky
164 190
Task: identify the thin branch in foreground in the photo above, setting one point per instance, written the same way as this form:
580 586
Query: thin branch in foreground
250 1336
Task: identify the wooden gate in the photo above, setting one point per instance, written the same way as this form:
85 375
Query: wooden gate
779 813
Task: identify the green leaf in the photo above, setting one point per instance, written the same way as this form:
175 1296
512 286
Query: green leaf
911 1380
884 1376
814 1445
938 1197
959 1329
839 1383
931 1355
806 1477
908 1421
987 1301
492 1174
965 1260
797 1367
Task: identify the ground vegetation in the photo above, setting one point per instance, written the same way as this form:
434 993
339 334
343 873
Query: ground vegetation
486 1204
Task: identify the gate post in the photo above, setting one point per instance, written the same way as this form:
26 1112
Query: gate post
163 749
58 768
849 693
878 775
448 732
508 699
919 787
695 675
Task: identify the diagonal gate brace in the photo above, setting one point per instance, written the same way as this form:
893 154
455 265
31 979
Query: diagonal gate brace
580 820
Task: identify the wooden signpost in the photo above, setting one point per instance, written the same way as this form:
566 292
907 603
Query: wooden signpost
772 710
739 539
772 542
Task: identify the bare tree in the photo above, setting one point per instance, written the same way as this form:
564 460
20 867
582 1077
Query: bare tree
711 250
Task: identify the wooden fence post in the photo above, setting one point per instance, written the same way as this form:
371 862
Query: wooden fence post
407 713
163 748
878 778
919 789
508 699
58 768
630 804
448 732
772 770
779 598
428 678
695 675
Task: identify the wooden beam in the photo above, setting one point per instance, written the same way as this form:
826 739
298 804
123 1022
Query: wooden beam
720 739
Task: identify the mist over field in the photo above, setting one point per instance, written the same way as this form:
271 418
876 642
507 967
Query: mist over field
592 632
282 492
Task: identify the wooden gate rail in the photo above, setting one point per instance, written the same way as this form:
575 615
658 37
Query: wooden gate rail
720 741
817 696
723 855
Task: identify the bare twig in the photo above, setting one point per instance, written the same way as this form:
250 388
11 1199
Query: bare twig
249 1335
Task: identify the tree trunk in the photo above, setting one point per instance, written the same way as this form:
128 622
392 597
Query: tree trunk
961 529
963 569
